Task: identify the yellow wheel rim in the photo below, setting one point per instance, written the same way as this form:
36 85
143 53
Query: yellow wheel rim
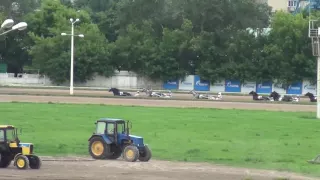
130 154
97 148
21 163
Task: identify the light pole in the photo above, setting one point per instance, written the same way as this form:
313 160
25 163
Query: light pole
8 23
72 45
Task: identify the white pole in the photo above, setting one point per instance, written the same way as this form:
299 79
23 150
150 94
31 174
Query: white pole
318 86
71 65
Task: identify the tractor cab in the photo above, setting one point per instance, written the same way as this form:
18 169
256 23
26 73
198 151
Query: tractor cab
112 137
117 131
8 137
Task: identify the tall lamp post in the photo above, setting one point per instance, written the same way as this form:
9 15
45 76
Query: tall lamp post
9 23
72 45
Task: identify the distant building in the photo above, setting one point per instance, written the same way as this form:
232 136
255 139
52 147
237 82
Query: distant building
291 6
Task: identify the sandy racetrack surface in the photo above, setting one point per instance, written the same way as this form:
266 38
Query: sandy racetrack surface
154 170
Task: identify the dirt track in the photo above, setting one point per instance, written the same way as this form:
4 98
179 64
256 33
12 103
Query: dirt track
155 170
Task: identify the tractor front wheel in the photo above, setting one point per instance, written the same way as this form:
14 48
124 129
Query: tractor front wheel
4 161
131 153
35 162
21 162
145 155
97 148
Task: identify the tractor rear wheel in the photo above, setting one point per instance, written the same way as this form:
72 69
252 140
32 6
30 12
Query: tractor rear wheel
98 148
146 155
35 162
131 153
21 162
4 161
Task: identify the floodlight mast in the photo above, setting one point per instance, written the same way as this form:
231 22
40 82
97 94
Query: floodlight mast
72 49
314 34
9 23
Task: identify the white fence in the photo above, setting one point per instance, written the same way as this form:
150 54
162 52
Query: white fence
121 79
128 80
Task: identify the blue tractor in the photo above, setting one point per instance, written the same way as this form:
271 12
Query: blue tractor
112 138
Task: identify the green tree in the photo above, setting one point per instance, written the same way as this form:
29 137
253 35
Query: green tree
288 50
51 51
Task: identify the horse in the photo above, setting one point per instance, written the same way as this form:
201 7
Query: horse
311 97
277 97
219 97
117 92
151 93
165 95
198 96
256 97
137 94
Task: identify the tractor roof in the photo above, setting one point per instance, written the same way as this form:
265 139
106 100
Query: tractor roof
6 126
110 120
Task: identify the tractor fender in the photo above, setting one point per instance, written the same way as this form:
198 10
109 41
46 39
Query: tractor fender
105 138
15 158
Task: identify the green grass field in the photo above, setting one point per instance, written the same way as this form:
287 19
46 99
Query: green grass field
260 139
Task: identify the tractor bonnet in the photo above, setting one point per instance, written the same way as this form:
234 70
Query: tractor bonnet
137 140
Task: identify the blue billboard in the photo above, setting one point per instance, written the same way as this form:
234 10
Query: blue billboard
201 85
171 84
233 86
264 87
295 88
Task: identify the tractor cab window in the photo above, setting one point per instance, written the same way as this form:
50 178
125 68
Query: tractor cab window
101 126
11 135
1 135
120 128
110 128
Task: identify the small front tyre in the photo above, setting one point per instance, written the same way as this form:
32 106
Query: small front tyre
131 153
21 162
145 155
35 162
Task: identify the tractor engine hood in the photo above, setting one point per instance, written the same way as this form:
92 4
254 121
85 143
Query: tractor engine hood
137 140
25 144
26 147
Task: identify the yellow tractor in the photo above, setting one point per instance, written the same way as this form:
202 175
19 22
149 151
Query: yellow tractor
12 149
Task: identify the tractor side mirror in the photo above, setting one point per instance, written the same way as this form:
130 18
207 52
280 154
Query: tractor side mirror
130 125
20 131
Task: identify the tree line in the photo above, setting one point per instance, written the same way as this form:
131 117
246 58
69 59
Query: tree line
159 39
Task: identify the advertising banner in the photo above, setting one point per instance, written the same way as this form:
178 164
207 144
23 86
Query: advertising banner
308 87
170 84
295 88
218 86
248 87
201 85
233 86
187 84
264 87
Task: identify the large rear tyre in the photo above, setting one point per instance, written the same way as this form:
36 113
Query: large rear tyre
131 153
98 148
21 162
145 155
35 162
4 161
